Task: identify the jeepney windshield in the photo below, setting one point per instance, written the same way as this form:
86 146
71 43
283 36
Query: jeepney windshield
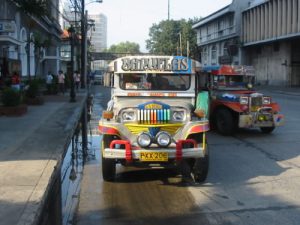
236 82
154 81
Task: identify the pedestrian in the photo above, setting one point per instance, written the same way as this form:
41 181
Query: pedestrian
77 79
49 80
61 81
15 81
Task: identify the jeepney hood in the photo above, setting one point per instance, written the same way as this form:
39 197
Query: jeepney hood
125 102
234 95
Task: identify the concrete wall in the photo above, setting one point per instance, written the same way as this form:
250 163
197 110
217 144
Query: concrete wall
271 62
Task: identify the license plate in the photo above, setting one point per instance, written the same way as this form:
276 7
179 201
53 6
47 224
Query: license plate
154 156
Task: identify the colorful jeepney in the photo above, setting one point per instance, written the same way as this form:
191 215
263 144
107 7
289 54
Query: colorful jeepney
233 101
151 120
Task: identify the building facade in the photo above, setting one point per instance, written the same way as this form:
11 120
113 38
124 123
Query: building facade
98 36
98 39
271 40
29 45
218 35
262 33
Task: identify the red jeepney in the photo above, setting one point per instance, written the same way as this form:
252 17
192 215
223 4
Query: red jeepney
233 101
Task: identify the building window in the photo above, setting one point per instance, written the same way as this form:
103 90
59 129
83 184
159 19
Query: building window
214 54
231 24
225 49
220 28
204 55
231 21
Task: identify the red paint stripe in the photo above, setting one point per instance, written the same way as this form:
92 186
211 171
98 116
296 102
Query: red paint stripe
107 130
199 128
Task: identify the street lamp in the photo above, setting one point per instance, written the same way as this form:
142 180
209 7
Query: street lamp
71 32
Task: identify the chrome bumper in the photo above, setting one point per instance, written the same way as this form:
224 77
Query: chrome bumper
247 121
186 153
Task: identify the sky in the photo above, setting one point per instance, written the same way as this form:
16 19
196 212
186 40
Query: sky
130 20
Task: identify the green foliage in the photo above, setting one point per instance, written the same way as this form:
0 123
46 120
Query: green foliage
165 38
40 41
33 88
37 8
125 47
11 97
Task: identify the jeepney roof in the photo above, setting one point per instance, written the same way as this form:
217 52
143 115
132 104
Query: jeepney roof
154 64
229 70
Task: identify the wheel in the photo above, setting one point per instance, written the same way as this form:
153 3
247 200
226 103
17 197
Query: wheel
108 165
267 130
108 169
200 168
195 170
225 122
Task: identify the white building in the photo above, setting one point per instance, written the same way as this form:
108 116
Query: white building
29 44
98 38
218 35
262 33
271 40
99 33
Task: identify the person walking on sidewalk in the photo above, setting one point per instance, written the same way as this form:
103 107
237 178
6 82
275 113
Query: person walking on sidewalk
15 81
61 81
77 79
49 79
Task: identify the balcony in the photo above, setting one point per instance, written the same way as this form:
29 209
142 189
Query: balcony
217 35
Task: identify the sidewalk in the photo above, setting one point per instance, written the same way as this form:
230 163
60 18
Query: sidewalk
280 90
31 151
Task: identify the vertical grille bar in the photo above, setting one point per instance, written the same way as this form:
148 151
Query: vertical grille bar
154 115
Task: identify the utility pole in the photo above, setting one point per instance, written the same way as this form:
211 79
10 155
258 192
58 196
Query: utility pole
168 9
71 32
180 43
83 80
83 47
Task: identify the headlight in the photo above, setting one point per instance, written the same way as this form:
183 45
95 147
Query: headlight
266 100
163 139
178 115
144 140
244 100
128 116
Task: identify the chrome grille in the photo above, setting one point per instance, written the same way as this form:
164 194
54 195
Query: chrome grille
154 115
256 103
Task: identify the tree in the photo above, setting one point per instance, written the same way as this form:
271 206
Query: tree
40 43
125 47
165 38
36 8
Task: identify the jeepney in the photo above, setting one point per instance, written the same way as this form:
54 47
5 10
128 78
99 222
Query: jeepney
151 120
233 101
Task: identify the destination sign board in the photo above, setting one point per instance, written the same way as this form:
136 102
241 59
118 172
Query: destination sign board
176 64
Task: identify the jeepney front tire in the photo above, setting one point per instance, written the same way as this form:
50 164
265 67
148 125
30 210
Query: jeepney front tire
108 169
267 130
108 165
200 168
225 122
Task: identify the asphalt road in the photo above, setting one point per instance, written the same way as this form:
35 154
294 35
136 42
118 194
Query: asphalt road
253 179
